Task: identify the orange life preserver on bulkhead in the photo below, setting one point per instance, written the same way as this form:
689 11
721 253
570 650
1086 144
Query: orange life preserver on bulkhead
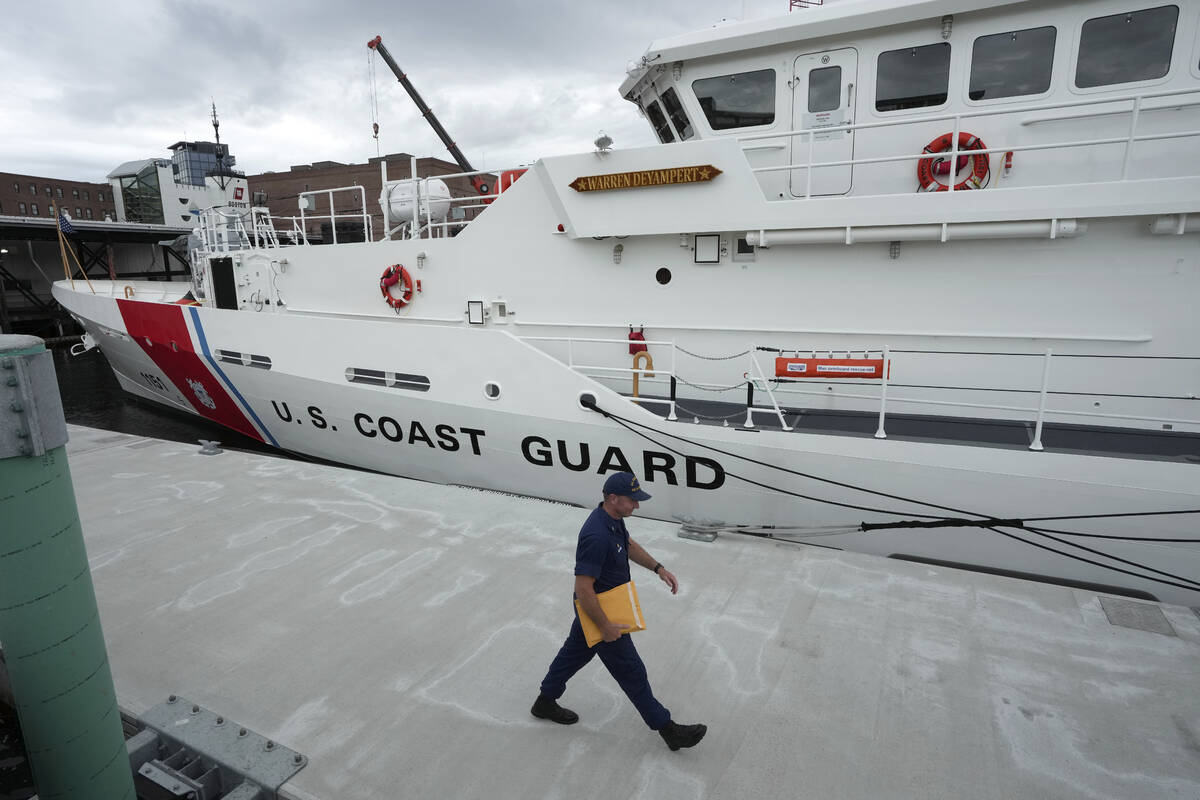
927 167
396 274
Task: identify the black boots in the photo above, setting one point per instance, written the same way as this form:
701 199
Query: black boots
545 708
677 736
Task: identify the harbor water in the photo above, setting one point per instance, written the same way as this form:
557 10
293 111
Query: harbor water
92 397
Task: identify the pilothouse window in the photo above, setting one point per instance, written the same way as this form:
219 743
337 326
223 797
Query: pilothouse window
915 77
1122 48
741 100
678 117
661 128
1012 64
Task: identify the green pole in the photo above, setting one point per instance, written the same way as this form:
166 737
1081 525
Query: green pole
49 623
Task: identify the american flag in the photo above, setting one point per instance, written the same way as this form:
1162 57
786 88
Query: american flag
64 224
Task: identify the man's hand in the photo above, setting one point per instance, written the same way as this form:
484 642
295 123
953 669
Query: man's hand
613 630
669 580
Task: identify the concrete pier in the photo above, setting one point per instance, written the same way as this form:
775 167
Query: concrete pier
395 633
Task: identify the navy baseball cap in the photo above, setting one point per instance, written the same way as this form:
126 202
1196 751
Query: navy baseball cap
626 485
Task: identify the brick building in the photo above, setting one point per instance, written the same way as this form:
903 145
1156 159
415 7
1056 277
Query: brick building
282 189
33 196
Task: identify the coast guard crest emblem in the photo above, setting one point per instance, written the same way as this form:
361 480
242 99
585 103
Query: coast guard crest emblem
201 394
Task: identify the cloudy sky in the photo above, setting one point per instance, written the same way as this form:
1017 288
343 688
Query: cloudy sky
91 85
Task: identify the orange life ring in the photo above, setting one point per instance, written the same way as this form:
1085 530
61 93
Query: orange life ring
394 274
967 142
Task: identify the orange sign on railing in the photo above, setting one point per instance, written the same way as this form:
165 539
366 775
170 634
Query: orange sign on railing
829 367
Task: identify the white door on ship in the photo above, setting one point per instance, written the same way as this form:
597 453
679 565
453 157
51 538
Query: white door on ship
823 102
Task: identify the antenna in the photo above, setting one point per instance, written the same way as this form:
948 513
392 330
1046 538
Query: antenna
220 152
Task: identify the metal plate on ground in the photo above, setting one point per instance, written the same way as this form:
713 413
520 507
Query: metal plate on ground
696 534
233 746
1140 616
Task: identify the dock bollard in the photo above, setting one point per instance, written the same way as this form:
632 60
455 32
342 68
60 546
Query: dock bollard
49 623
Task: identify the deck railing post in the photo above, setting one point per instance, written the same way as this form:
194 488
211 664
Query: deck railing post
412 174
387 198
749 397
879 433
672 416
1037 431
954 158
808 177
1133 121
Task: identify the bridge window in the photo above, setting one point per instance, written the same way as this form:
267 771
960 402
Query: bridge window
824 89
1122 48
1012 64
741 100
678 117
661 128
915 77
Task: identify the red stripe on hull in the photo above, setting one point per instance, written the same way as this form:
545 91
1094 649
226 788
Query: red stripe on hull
161 331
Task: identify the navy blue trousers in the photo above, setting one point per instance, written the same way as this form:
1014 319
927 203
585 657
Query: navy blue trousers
623 663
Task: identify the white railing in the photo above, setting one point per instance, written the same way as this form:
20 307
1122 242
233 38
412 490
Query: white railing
222 231
589 369
1135 111
265 228
361 214
755 378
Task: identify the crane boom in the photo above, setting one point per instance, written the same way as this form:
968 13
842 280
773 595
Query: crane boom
477 181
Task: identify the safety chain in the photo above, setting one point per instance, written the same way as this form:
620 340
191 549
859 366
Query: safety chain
709 389
734 415
712 358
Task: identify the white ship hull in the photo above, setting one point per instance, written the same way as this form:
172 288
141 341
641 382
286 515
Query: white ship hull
537 440
1033 332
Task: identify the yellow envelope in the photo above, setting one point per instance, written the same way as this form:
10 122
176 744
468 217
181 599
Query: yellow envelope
620 605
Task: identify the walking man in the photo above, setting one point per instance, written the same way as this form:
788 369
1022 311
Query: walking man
602 563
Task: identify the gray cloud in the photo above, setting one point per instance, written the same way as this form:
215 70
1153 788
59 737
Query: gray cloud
105 83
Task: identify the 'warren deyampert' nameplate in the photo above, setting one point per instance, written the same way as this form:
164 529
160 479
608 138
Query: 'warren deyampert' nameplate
645 177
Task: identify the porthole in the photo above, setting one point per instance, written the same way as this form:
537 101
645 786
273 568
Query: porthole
663 276
491 390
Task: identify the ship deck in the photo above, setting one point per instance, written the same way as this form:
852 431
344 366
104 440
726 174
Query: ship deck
1109 441
394 632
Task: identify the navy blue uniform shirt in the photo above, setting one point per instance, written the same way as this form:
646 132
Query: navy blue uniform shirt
603 550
